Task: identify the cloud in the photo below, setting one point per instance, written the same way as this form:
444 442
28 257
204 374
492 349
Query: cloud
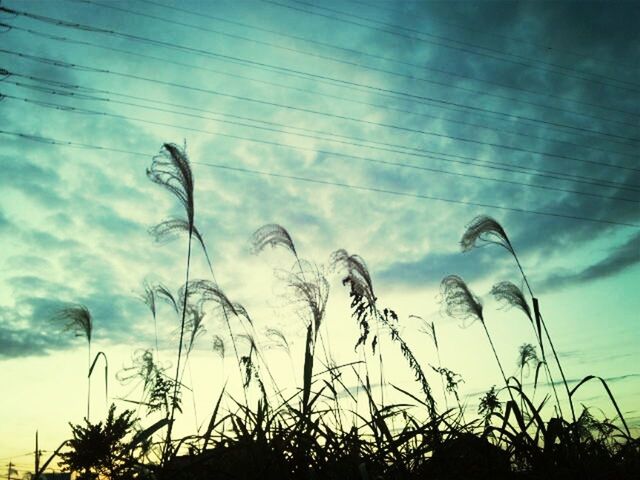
25 332
433 267
5 224
611 379
29 329
618 260
24 343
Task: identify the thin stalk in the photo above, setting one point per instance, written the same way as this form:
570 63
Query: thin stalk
495 353
193 396
155 328
89 381
228 324
313 342
182 322
380 363
553 349
521 399
564 379
444 390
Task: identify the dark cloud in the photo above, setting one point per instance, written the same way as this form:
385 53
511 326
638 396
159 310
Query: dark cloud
611 379
618 260
27 330
432 268
25 343
30 328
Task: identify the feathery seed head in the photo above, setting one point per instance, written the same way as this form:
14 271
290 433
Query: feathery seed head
511 296
357 274
274 235
484 229
526 355
171 170
168 229
459 301
312 289
218 346
78 320
149 298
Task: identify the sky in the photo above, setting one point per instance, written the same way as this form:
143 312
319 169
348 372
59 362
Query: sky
381 128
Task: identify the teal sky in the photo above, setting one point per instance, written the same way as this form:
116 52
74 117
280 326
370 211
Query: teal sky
525 111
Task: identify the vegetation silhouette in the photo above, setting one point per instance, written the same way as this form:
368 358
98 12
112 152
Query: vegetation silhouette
320 430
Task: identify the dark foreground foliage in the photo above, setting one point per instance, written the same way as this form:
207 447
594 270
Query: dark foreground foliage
323 430
270 444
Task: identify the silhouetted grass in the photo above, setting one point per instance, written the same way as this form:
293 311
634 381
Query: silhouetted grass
321 430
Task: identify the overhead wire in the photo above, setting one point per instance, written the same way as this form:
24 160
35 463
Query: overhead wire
397 61
377 89
415 195
64 64
329 183
448 85
584 145
327 152
398 149
61 107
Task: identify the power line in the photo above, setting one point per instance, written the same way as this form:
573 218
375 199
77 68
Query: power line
366 159
418 152
286 70
326 182
584 145
449 85
63 64
546 48
65 143
381 57
413 195
464 48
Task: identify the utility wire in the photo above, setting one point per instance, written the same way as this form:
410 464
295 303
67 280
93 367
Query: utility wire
330 153
586 144
65 143
448 85
74 90
53 91
63 64
413 195
325 182
405 95
464 46
379 57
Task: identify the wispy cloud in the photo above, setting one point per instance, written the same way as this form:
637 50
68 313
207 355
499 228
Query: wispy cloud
618 260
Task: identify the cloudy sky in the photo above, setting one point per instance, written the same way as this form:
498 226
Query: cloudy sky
379 127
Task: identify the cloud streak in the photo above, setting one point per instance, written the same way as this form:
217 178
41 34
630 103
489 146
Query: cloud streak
617 261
